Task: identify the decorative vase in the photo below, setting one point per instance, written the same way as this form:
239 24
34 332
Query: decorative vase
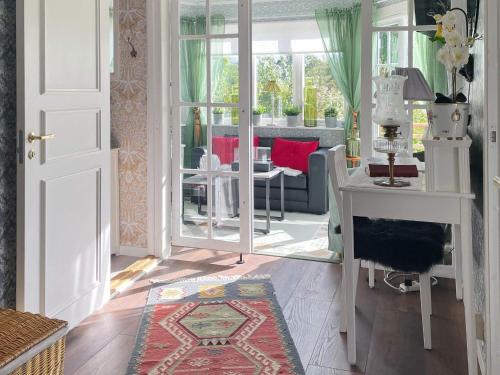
218 118
449 120
353 143
292 121
310 104
235 113
256 119
331 122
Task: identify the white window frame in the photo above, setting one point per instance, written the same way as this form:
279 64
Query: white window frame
298 79
368 130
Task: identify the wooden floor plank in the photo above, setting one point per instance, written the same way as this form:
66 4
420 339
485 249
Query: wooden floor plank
305 318
112 359
331 348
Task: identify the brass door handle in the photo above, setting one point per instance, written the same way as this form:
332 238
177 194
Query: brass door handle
32 137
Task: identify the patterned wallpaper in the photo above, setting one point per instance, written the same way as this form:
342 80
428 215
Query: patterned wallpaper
7 153
129 122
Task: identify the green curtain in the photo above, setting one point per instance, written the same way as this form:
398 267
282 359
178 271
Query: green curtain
341 33
193 74
426 60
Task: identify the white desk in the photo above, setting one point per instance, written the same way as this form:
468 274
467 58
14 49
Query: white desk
361 198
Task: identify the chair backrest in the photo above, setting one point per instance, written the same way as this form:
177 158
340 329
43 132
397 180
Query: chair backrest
337 167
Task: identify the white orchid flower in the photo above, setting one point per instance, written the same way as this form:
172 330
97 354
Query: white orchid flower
444 57
449 20
460 55
453 37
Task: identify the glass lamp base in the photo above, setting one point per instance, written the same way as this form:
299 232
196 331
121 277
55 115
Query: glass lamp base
386 182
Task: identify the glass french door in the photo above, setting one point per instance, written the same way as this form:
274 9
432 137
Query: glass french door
212 190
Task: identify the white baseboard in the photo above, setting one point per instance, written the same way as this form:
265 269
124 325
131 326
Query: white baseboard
133 251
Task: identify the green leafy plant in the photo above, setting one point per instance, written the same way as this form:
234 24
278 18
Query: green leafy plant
331 112
292 111
217 111
259 110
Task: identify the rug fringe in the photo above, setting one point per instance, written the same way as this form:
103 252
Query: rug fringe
212 278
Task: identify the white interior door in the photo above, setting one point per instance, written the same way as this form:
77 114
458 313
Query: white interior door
64 157
212 202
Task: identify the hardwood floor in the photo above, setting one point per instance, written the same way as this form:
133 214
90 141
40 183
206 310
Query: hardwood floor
388 325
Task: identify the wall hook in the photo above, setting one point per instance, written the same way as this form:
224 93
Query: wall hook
133 51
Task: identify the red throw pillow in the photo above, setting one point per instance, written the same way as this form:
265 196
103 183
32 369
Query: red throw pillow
293 154
224 147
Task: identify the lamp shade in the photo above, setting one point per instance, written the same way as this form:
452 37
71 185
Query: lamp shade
272 87
416 87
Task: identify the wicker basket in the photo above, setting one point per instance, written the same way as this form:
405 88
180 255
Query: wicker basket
31 344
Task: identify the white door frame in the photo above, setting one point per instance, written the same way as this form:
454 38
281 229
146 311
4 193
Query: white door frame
492 199
158 123
246 174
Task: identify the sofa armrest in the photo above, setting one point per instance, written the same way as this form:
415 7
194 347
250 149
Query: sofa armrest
318 182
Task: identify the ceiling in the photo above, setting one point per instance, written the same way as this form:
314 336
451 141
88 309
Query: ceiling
266 10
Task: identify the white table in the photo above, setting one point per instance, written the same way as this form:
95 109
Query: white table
361 197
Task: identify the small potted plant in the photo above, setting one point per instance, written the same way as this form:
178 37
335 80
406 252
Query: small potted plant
331 114
218 114
292 116
257 115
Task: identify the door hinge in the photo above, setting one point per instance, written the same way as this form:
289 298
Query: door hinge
493 136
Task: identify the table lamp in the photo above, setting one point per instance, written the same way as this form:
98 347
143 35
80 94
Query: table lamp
390 114
416 87
273 88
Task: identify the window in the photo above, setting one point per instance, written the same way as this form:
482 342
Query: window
317 69
291 71
280 69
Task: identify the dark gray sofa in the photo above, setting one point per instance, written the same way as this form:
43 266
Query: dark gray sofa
304 193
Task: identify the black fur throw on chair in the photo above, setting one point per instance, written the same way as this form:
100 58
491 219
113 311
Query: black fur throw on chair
406 246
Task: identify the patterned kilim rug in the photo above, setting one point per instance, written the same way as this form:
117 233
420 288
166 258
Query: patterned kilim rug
214 326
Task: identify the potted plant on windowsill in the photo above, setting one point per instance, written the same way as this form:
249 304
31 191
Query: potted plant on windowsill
450 114
292 116
257 115
218 114
331 114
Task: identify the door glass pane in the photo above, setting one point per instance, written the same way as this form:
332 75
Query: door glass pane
420 125
390 50
390 13
192 15
194 216
224 17
224 70
193 71
193 136
424 58
226 208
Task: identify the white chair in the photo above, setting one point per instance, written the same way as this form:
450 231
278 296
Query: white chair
337 165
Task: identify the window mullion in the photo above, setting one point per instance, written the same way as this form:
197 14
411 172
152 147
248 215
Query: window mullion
298 79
